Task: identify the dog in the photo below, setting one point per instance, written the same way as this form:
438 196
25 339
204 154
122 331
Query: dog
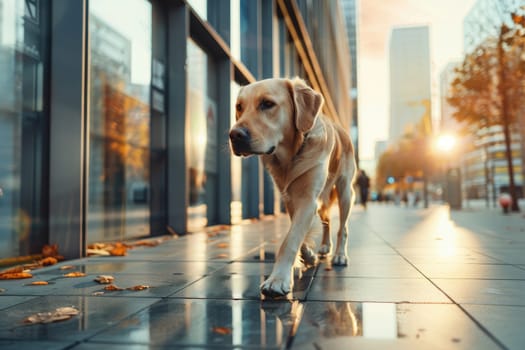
311 160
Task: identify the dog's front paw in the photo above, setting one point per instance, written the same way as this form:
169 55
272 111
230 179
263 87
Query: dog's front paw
276 286
340 260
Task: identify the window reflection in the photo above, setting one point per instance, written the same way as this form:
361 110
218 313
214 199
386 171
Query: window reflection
120 73
200 116
23 126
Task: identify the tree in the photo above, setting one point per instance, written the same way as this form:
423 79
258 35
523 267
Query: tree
489 85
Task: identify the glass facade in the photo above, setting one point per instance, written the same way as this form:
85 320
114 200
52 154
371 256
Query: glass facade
119 120
23 126
116 127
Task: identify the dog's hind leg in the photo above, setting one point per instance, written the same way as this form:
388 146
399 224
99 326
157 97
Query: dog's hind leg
346 195
327 199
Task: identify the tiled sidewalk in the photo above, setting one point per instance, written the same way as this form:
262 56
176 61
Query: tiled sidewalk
416 279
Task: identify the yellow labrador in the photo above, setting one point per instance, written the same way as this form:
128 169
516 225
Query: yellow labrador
311 160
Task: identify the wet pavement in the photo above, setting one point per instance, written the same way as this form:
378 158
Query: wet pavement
421 279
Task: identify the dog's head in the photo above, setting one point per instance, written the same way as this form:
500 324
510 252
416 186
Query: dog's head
271 111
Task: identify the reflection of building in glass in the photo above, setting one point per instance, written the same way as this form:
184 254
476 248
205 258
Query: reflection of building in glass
119 130
409 78
485 167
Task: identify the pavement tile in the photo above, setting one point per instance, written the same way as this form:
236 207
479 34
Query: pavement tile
490 292
476 271
412 290
111 265
345 325
96 314
33 345
220 286
382 268
10 300
223 323
504 322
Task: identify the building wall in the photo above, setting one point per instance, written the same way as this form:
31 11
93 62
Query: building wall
130 158
409 78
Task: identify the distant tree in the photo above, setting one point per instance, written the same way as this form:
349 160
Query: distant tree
489 86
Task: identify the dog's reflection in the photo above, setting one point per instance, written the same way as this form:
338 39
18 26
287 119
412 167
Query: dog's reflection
332 319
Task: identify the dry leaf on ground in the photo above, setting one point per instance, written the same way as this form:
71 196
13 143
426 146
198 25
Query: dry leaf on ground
67 267
222 256
15 275
222 330
48 261
104 279
112 288
138 287
39 283
222 245
15 269
60 314
75 274
91 251
119 250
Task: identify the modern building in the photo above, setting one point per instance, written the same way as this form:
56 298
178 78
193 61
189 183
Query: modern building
114 127
350 11
447 123
409 78
485 169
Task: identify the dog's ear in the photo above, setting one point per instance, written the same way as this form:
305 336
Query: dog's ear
307 103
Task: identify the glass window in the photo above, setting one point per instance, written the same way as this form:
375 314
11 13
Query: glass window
200 6
23 126
236 168
201 136
119 119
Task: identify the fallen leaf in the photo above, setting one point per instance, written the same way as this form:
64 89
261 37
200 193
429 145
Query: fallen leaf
145 244
222 330
15 276
75 274
222 245
67 267
222 256
39 283
119 250
48 261
96 294
139 287
60 314
104 279
15 269
112 288
91 251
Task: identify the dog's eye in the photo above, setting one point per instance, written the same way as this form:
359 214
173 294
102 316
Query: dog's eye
238 107
266 104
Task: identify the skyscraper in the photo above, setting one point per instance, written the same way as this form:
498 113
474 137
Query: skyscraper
409 78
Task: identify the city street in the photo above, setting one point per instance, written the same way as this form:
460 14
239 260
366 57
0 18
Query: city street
417 279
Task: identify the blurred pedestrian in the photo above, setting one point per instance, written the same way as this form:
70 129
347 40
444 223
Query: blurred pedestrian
363 181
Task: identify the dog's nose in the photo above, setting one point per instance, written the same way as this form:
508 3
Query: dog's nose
239 135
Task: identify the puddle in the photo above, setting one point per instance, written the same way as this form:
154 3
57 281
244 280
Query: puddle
368 320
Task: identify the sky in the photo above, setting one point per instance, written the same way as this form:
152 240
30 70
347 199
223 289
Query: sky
376 19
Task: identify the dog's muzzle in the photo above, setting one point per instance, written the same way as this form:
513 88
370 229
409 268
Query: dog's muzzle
240 141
